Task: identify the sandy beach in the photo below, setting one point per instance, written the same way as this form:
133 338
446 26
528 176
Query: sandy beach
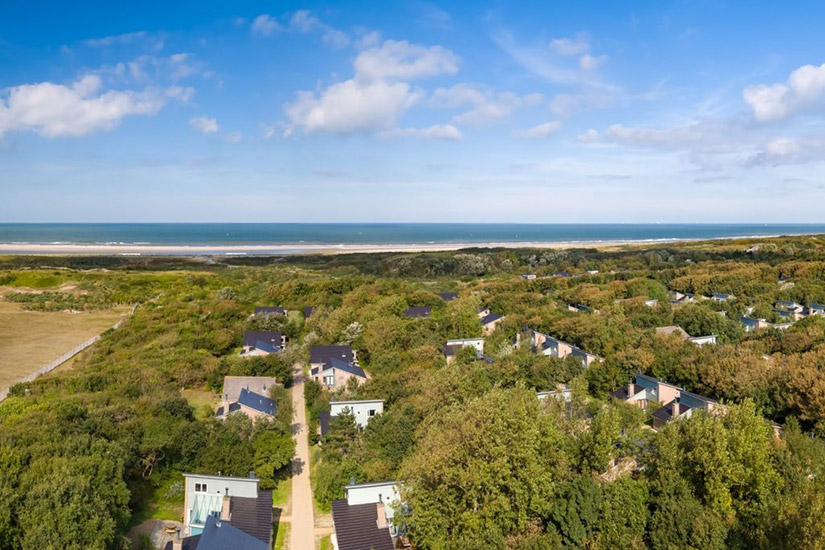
278 249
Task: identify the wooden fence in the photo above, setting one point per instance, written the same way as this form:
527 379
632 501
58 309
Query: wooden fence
60 360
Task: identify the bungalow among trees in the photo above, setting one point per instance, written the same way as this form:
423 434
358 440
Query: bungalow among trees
674 401
334 366
262 342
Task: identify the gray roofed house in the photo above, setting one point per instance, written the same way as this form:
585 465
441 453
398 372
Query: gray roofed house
721 297
219 535
262 342
447 296
333 366
252 404
417 312
266 311
308 311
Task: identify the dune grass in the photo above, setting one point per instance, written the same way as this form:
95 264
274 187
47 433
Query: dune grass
30 339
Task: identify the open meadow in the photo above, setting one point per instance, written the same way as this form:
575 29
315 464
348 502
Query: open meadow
29 339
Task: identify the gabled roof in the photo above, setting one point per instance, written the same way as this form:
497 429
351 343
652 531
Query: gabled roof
665 412
308 311
621 393
257 402
324 354
220 535
264 340
270 310
447 296
418 311
253 516
347 367
490 318
356 527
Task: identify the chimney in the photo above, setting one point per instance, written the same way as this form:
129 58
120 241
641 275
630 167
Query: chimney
382 516
675 408
177 544
630 391
226 511
252 474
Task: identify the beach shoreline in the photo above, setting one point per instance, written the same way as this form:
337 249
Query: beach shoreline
241 250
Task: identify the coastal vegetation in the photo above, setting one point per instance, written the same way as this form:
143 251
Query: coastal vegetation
87 452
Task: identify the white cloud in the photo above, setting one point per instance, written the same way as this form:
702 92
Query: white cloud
784 151
351 107
376 97
402 60
590 136
234 137
539 132
143 38
564 105
57 110
369 40
589 62
570 46
265 25
181 93
304 21
204 125
486 107
804 90
439 131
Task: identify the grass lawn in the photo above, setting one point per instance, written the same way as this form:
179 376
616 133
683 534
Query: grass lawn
30 339
164 502
204 402
281 494
282 536
326 543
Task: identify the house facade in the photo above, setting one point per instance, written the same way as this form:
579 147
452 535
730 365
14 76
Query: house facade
553 347
362 410
452 347
646 391
490 322
334 366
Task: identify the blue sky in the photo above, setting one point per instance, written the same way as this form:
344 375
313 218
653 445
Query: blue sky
701 111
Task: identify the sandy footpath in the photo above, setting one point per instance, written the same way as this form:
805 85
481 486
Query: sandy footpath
297 248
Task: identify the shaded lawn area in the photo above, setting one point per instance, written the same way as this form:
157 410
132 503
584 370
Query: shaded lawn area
30 339
281 534
162 501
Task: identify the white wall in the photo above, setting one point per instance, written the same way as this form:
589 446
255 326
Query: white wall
360 409
368 493
477 343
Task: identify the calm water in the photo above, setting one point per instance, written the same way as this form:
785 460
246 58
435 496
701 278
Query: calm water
231 234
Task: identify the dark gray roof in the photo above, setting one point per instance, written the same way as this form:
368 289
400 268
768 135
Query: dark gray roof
490 318
323 421
418 311
270 310
665 413
447 296
232 408
621 393
323 354
345 366
256 401
221 535
189 543
356 527
264 340
253 516
308 311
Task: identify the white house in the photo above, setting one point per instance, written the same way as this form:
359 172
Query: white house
228 498
452 347
362 410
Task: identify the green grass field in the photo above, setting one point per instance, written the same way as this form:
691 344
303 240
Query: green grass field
282 537
30 339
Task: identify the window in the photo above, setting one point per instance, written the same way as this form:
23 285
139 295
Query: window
200 487
371 413
329 380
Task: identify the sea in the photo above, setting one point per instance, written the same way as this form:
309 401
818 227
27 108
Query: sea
293 237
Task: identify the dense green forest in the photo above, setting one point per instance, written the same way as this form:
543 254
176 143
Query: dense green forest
484 462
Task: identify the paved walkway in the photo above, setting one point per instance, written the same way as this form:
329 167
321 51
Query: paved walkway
302 532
